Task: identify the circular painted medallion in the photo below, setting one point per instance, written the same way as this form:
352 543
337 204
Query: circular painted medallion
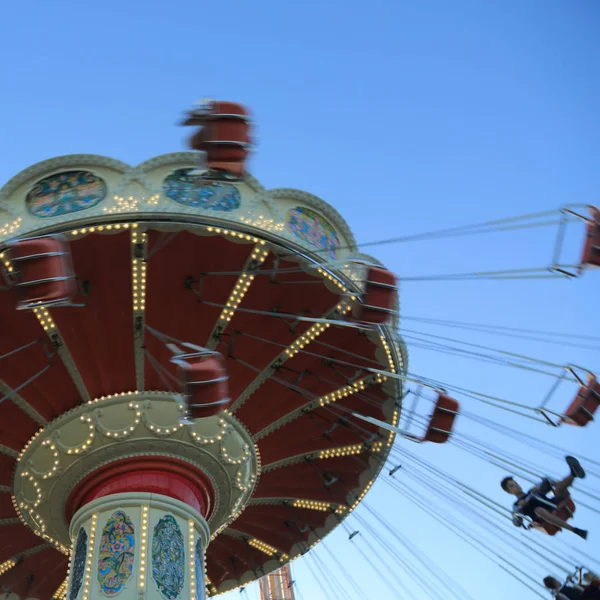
313 229
64 193
193 191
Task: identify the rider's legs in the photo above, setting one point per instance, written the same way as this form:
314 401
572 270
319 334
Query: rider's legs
561 487
547 516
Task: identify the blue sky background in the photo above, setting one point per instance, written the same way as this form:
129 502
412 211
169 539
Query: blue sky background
406 117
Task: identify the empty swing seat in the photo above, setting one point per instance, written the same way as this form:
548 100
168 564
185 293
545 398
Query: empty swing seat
224 136
42 272
377 304
581 410
591 248
564 511
442 420
204 385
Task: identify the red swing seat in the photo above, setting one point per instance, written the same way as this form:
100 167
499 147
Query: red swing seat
591 249
377 304
441 422
204 383
581 411
224 136
42 272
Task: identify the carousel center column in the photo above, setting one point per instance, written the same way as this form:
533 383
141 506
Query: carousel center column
139 545
129 491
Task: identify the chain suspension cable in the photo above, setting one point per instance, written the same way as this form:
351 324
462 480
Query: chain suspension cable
481 498
490 505
501 225
459 503
308 557
533 481
431 590
161 371
377 569
339 591
485 398
481 397
382 561
490 452
437 513
508 274
424 562
469 492
506 331
298 591
453 500
346 573
25 383
437 347
522 357
21 348
365 396
461 353
534 442
414 550
486 525
466 441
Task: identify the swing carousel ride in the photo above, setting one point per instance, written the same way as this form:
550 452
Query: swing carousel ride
201 378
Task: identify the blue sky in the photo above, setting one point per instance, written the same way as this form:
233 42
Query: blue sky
406 117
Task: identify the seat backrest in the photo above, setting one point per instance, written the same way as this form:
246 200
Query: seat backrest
581 410
42 271
205 385
591 248
378 297
442 420
224 136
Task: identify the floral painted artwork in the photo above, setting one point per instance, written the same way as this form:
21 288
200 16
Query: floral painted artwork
117 553
198 560
168 556
78 567
313 229
65 193
193 191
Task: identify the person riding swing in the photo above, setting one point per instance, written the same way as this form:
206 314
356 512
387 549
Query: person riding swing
584 587
541 509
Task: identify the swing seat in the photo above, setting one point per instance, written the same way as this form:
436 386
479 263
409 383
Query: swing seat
224 136
377 304
442 420
591 248
564 511
581 411
204 383
42 272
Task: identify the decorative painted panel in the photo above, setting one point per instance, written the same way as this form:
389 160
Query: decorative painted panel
193 191
198 564
64 193
313 229
78 564
117 553
168 558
